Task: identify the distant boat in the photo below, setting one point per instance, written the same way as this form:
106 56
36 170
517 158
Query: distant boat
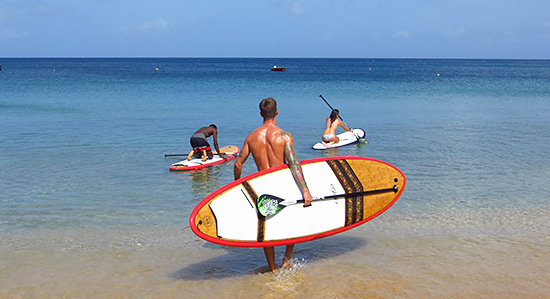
278 69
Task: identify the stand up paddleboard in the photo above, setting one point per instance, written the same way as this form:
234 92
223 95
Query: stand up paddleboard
345 139
231 151
351 191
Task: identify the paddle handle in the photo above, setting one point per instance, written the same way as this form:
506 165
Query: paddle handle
327 103
394 189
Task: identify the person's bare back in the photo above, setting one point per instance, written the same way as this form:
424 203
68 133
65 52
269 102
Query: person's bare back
332 123
267 146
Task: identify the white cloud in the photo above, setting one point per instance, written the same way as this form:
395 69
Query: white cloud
546 34
11 33
159 24
147 27
455 33
297 8
402 34
327 38
511 36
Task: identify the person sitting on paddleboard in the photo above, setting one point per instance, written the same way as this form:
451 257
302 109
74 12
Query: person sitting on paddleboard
270 146
329 136
201 147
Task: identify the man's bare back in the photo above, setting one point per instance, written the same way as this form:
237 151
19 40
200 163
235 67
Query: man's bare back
267 145
207 131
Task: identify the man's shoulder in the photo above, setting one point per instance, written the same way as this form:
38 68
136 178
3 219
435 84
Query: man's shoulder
286 135
252 135
209 130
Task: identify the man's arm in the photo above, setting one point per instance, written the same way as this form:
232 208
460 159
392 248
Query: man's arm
215 137
296 168
241 158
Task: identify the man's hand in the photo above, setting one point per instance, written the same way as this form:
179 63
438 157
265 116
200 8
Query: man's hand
307 198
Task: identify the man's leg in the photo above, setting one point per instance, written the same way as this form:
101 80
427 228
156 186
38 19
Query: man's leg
288 256
270 257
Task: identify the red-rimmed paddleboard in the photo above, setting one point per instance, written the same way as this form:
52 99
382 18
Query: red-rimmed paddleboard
229 215
231 151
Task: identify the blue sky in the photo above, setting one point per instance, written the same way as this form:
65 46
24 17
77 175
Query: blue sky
269 28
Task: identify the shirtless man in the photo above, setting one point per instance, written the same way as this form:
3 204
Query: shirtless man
201 147
270 146
332 123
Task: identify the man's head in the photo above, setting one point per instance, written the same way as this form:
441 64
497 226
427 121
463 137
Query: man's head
214 126
268 108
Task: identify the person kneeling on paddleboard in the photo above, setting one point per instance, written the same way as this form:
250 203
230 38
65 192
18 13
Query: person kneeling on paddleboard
200 145
270 146
332 123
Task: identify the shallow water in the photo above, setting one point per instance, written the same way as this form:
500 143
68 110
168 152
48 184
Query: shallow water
89 208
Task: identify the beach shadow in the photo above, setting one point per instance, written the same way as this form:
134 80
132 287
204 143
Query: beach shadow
245 261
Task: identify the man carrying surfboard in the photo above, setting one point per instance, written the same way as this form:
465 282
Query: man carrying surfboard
271 146
201 147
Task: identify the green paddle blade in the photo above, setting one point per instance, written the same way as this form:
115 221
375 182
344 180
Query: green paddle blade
269 205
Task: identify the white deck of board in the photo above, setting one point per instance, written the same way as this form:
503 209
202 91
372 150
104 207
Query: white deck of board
237 219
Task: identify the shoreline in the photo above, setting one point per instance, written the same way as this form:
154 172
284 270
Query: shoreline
398 258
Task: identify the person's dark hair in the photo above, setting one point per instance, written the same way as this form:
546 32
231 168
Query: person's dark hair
268 108
213 125
334 115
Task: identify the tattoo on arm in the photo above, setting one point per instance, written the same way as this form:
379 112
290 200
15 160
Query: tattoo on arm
294 164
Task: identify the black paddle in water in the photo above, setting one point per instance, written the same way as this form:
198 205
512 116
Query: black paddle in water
269 205
185 155
174 155
361 139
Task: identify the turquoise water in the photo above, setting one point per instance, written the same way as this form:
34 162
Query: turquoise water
85 184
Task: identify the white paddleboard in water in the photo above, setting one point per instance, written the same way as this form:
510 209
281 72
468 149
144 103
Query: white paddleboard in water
345 139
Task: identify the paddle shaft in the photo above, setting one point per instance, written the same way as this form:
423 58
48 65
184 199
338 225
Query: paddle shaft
266 207
394 189
333 109
174 155
178 155
358 138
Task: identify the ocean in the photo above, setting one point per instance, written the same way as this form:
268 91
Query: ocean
89 208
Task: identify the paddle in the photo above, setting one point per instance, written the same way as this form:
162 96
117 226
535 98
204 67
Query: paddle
361 139
174 155
269 205
177 155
